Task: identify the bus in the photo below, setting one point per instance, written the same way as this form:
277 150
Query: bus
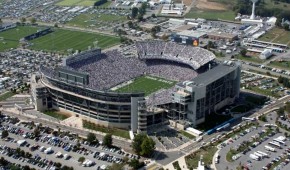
275 144
279 141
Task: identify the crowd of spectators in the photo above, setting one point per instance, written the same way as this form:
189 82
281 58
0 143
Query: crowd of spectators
110 69
193 56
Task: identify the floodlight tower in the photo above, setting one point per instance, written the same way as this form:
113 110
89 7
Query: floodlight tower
253 9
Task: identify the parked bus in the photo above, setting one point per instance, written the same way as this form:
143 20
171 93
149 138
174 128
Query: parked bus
269 148
275 144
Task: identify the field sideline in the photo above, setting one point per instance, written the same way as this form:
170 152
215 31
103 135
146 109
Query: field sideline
147 84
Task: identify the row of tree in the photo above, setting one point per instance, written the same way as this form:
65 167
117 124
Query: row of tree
285 81
139 12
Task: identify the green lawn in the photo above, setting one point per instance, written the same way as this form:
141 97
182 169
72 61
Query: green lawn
280 64
90 20
76 2
241 108
56 114
256 100
6 95
266 92
277 35
213 15
249 58
207 153
61 40
11 37
113 131
147 85
186 134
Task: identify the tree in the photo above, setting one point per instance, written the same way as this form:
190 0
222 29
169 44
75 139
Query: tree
32 20
243 52
56 25
130 24
81 159
67 168
58 164
147 147
1 22
108 140
3 161
4 134
134 12
280 111
36 131
153 16
286 27
22 20
91 137
137 142
135 164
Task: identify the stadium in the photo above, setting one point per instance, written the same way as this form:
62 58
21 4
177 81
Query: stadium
164 81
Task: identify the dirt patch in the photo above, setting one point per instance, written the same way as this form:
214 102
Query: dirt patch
206 5
187 2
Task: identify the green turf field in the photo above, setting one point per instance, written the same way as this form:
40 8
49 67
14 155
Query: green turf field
209 14
61 40
11 37
90 20
76 2
147 84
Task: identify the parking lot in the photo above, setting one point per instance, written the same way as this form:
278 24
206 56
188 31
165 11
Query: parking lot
48 149
253 141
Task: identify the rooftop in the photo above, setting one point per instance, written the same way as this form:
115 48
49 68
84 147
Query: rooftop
214 74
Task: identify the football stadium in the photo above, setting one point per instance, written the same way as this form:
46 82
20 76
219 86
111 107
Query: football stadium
164 82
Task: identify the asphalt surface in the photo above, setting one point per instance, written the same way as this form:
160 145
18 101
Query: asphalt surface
83 133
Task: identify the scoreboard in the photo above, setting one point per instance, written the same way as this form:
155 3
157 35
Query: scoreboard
188 40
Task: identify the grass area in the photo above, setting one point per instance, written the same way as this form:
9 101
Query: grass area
147 84
280 64
93 20
76 2
56 114
211 15
277 35
11 37
249 58
258 100
61 40
207 152
186 134
213 120
113 131
230 154
241 108
176 165
6 95
266 92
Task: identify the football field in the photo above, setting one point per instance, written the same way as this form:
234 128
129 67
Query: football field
10 38
62 40
147 84
76 2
